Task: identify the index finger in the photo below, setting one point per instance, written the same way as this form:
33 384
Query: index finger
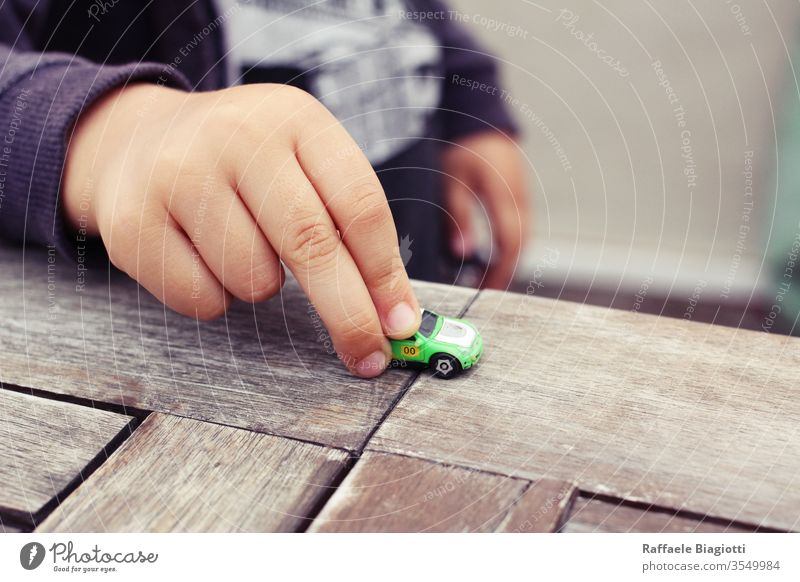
354 197
299 228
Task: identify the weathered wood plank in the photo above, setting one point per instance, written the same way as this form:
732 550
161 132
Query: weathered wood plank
44 445
543 508
178 474
596 515
268 368
661 411
391 493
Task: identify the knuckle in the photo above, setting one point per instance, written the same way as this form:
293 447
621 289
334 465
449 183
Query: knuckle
310 242
209 312
390 278
353 331
118 256
259 284
122 240
299 98
296 94
305 110
209 304
367 204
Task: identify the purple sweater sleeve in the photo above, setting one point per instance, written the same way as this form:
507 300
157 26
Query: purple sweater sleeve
467 64
41 97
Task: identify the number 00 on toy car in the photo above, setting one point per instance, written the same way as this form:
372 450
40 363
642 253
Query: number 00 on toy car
446 344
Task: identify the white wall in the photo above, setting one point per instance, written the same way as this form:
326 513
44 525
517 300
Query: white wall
624 209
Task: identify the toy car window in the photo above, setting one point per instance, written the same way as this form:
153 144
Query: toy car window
428 323
452 330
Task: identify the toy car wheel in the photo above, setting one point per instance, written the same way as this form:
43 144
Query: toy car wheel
445 366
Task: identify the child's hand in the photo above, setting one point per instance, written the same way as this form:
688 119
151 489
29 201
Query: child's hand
487 165
200 196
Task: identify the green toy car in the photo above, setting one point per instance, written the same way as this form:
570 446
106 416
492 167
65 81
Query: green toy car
446 344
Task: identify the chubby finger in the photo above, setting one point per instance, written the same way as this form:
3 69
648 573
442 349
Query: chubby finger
221 228
356 202
305 237
157 253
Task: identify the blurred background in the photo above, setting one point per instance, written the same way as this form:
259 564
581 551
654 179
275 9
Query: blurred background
654 132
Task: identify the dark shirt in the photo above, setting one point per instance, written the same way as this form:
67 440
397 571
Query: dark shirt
58 57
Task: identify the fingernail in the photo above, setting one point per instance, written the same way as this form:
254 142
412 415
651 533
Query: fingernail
372 365
401 318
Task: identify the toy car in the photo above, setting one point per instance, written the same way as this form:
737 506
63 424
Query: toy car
446 344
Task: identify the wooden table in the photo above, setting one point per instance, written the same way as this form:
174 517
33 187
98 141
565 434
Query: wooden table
118 415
